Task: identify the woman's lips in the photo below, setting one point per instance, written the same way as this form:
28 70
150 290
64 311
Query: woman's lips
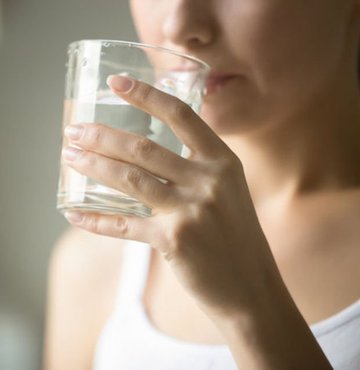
217 81
214 82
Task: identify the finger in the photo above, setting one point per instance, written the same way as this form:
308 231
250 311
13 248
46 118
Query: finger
121 176
117 226
184 122
131 148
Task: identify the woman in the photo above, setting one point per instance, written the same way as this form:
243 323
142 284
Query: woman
254 258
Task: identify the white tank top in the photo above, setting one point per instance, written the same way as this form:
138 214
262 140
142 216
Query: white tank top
129 341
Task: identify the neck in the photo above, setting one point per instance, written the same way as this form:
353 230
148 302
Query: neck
316 150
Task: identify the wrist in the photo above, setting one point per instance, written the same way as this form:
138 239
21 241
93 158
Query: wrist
263 305
270 333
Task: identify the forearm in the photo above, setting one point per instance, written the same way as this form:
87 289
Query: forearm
272 336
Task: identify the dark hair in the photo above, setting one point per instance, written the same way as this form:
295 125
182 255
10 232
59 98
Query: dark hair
358 66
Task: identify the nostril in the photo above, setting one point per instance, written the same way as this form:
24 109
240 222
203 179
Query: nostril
189 26
195 41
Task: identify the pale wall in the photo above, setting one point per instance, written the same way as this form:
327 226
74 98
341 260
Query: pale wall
32 69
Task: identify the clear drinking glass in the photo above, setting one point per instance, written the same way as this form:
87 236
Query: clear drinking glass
88 99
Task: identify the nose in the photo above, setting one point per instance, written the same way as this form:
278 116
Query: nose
189 24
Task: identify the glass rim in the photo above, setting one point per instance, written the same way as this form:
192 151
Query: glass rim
142 45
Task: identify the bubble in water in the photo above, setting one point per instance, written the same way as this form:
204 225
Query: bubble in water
167 85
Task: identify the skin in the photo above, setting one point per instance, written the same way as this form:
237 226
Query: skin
280 139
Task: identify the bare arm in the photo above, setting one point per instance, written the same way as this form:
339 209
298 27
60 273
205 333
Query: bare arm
82 278
205 226
272 335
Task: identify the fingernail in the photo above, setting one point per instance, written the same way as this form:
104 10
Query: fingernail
74 217
74 131
120 83
70 153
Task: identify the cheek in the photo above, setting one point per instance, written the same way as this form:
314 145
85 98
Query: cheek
283 43
287 52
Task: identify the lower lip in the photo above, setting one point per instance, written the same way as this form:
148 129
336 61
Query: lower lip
215 84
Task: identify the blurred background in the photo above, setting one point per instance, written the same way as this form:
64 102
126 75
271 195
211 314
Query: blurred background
34 35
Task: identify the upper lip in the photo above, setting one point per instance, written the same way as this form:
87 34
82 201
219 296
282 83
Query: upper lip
216 75
217 79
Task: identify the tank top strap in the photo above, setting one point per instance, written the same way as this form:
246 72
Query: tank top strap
133 274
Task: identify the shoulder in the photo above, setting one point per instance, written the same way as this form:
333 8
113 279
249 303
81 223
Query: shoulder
77 253
83 276
85 263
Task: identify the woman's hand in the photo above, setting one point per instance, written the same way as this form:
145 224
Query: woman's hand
203 221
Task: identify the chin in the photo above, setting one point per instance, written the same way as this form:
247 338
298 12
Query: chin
227 120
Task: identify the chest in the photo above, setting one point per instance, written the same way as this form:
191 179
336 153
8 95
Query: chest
317 249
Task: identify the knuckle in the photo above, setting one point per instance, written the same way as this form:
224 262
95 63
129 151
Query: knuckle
92 223
89 160
143 148
95 135
212 192
203 211
133 176
143 93
181 111
222 170
122 226
229 163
